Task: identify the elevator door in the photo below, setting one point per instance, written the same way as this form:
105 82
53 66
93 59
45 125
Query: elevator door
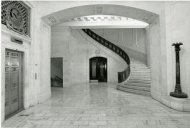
13 82
98 69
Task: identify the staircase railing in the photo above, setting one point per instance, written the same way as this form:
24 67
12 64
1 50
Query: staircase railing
122 76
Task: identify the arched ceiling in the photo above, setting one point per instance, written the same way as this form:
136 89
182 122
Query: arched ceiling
103 21
98 9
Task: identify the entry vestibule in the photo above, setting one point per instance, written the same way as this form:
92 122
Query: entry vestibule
37 49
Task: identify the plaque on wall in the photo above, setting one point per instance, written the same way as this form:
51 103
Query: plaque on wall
16 16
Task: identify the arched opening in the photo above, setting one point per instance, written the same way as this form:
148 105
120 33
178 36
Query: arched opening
99 9
152 34
98 69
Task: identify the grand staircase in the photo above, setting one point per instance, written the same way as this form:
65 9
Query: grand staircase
136 77
123 75
139 79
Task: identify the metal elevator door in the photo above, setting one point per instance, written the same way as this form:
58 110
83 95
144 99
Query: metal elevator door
13 82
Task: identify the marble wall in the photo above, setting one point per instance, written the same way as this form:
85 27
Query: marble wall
25 48
36 50
177 30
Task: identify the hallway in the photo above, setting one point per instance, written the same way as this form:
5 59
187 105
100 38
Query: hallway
98 106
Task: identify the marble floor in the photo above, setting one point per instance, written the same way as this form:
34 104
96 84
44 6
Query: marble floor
98 106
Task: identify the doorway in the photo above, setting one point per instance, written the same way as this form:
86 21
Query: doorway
13 82
57 72
98 69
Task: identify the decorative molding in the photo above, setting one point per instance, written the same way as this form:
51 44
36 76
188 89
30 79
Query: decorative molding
97 51
16 16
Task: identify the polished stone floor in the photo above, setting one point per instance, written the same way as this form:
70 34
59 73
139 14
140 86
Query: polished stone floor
98 106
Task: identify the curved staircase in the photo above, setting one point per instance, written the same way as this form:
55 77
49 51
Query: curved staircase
139 80
136 77
122 76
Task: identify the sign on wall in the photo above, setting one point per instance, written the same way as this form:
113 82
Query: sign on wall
16 16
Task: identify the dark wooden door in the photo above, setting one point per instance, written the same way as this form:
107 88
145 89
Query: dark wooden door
98 69
13 83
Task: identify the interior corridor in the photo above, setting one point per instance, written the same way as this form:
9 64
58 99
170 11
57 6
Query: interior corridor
98 106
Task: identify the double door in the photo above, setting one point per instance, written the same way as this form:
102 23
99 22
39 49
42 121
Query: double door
13 82
98 69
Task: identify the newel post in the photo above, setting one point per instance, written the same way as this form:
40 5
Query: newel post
178 91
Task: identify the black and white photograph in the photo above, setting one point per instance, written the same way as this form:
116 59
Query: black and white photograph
95 64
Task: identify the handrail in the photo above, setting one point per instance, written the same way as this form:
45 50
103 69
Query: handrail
122 76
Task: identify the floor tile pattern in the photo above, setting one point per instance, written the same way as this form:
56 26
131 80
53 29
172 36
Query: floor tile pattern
98 106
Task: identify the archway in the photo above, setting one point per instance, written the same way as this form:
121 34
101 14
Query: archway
100 9
153 31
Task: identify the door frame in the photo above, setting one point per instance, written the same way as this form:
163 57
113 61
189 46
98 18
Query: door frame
21 83
51 70
90 66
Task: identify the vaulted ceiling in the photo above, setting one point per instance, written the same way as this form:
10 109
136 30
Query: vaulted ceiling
101 16
103 21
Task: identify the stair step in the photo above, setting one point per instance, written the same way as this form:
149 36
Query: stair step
141 65
137 84
141 69
135 69
148 81
136 87
133 64
138 65
140 75
139 78
139 81
139 92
